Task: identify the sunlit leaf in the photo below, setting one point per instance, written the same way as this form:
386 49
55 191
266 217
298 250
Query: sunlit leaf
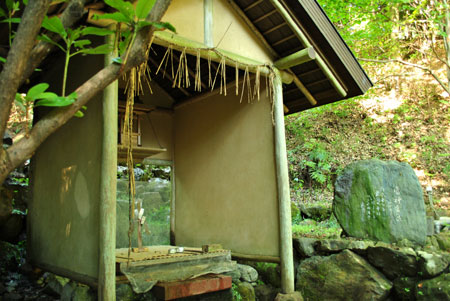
55 25
2 59
126 8
81 43
36 90
143 7
78 114
55 102
46 38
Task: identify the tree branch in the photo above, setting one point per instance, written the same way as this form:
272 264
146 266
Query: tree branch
71 15
18 56
25 148
428 70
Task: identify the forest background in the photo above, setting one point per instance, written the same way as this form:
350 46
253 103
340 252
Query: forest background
404 47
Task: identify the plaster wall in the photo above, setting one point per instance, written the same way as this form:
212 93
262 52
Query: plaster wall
64 212
225 176
187 17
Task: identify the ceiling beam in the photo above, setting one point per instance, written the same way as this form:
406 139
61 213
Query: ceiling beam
295 59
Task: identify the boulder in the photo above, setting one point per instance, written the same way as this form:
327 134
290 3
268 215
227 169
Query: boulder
248 273
246 291
330 246
317 213
380 201
305 246
270 273
343 276
434 289
394 262
265 292
431 264
443 240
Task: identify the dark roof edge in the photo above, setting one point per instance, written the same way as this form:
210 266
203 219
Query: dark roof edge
335 41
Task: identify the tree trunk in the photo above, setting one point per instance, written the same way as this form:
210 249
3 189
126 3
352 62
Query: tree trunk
25 148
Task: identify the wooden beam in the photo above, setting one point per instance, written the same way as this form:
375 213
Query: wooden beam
108 185
284 200
297 58
304 90
208 22
258 258
264 16
253 28
253 5
294 26
165 39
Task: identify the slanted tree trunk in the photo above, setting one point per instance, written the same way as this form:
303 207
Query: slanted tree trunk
15 67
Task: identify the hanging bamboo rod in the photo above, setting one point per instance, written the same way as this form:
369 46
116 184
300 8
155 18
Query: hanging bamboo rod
165 39
297 58
293 25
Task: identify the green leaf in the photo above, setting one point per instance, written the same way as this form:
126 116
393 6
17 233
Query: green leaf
2 13
164 25
11 20
73 34
46 38
55 25
59 101
96 31
117 60
10 5
25 2
36 90
2 59
102 49
81 43
143 7
126 8
117 16
78 114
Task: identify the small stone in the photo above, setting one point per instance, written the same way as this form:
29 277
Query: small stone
246 291
443 240
305 246
329 246
248 273
431 264
295 296
234 274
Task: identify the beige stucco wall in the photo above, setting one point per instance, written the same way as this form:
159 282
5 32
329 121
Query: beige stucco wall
161 137
225 176
187 17
64 211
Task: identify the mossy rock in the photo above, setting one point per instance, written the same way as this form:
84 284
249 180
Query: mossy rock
434 289
443 240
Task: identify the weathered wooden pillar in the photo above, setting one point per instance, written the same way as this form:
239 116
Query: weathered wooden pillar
208 22
284 201
108 182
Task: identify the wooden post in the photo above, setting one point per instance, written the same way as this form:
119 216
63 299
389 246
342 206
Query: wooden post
208 22
107 218
284 200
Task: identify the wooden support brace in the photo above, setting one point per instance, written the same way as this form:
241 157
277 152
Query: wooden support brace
300 35
297 58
